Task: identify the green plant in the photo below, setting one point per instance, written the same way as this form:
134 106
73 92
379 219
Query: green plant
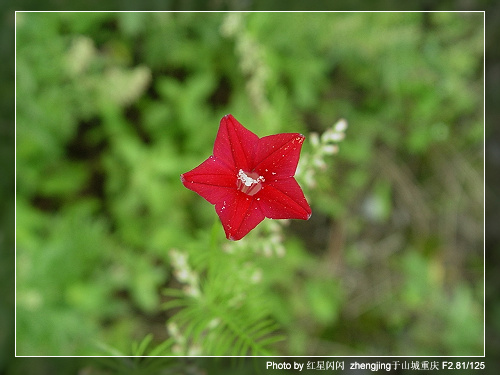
113 107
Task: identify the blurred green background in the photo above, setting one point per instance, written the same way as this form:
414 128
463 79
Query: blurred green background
112 107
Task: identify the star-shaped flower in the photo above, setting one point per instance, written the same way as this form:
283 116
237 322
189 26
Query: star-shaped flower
249 178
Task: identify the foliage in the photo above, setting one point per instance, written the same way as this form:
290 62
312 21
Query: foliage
114 256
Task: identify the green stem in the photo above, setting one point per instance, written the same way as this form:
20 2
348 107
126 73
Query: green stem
213 250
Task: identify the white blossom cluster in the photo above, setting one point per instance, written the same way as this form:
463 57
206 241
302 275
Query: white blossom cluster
323 146
184 273
251 58
181 346
266 240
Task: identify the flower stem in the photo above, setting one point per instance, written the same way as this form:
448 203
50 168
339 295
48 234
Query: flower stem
213 250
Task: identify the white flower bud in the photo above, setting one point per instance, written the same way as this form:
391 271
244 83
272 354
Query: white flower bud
331 136
314 139
340 126
330 149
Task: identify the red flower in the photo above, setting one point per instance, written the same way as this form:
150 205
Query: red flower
249 178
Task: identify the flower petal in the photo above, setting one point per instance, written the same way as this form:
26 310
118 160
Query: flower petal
277 155
239 214
284 199
212 179
235 144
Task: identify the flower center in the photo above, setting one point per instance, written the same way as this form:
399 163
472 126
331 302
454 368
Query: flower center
249 183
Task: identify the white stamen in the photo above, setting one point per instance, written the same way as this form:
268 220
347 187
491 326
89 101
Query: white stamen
248 181
249 184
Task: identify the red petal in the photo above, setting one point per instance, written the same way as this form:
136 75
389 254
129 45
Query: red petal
284 199
212 179
277 155
234 144
239 214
